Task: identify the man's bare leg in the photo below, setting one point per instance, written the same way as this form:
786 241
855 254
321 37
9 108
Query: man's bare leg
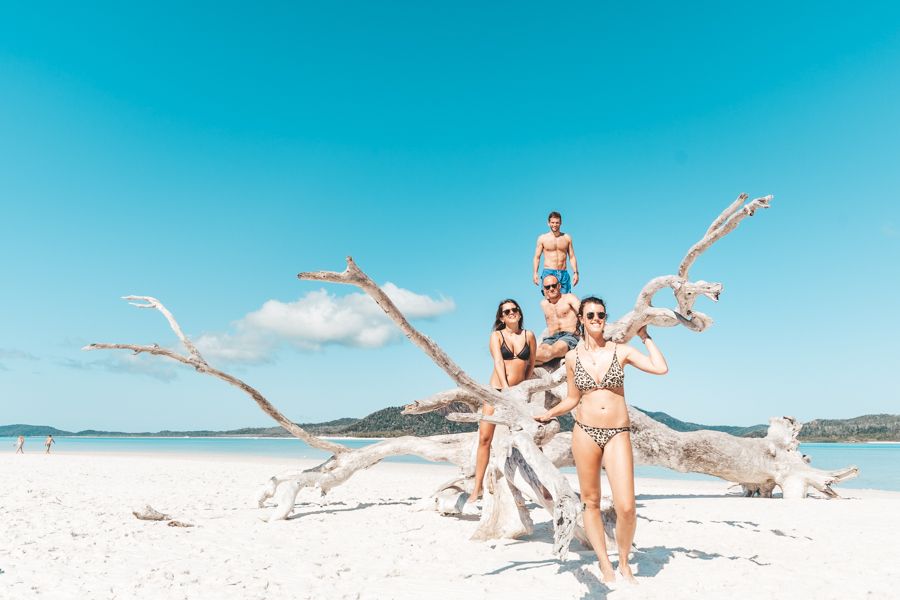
546 352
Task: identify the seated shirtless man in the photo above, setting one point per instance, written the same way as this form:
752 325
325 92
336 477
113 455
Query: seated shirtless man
561 313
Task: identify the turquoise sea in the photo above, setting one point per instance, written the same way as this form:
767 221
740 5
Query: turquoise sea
879 464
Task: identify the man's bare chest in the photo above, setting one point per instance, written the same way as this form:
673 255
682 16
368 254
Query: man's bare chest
559 312
555 244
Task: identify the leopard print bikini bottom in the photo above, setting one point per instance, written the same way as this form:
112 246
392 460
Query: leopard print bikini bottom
601 435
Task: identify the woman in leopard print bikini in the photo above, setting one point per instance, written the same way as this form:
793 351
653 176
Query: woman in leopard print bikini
596 386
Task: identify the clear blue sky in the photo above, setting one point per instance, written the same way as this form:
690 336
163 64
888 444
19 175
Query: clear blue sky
206 154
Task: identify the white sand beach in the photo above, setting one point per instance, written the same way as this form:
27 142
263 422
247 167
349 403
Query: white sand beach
67 532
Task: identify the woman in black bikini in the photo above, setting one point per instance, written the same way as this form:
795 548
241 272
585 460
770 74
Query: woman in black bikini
602 434
513 350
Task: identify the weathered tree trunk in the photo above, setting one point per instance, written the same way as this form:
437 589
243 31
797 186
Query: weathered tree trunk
758 464
526 455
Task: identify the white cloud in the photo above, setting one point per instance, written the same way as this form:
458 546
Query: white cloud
318 319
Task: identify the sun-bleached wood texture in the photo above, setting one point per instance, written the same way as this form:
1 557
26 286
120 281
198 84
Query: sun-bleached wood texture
526 455
759 465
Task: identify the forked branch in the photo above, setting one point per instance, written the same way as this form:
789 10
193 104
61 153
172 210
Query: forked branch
152 302
722 226
686 292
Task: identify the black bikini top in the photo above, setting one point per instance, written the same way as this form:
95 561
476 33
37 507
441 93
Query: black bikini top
506 353
614 378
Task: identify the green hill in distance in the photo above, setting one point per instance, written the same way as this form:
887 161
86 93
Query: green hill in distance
390 422
678 425
30 430
880 428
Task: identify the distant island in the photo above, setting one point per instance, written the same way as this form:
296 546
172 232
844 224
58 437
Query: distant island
390 422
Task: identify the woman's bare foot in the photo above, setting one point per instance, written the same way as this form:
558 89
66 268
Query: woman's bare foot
626 574
608 575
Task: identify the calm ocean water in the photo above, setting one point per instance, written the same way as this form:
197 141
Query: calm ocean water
879 464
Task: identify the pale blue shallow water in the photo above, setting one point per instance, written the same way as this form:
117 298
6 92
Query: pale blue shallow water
879 464
273 447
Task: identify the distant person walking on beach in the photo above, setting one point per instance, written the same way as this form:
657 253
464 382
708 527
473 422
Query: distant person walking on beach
49 442
20 444
596 386
556 247
513 349
561 314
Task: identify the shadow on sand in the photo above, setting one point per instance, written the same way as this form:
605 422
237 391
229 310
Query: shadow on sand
331 508
584 570
650 561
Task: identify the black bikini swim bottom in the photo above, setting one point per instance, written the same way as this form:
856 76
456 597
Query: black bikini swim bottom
601 435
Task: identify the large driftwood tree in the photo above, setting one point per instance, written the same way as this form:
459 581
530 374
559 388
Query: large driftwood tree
526 455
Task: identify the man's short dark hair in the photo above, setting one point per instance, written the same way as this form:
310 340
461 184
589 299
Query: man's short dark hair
553 215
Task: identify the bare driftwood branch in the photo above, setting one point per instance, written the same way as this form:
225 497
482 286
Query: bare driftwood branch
453 448
686 292
722 226
151 302
196 360
352 275
724 216
442 400
542 381
150 514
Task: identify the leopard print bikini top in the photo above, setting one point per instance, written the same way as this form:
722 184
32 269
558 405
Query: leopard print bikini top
614 378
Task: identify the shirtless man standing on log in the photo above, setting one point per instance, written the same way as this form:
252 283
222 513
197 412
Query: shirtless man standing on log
556 247
561 313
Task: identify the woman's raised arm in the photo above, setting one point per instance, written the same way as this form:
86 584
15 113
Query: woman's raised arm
655 363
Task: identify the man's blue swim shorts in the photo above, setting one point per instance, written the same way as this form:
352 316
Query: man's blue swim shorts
566 336
565 284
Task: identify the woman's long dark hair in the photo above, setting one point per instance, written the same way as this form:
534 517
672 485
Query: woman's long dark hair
587 300
498 319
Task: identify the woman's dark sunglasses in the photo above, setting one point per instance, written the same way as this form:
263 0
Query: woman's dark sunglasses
551 286
590 316
510 311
